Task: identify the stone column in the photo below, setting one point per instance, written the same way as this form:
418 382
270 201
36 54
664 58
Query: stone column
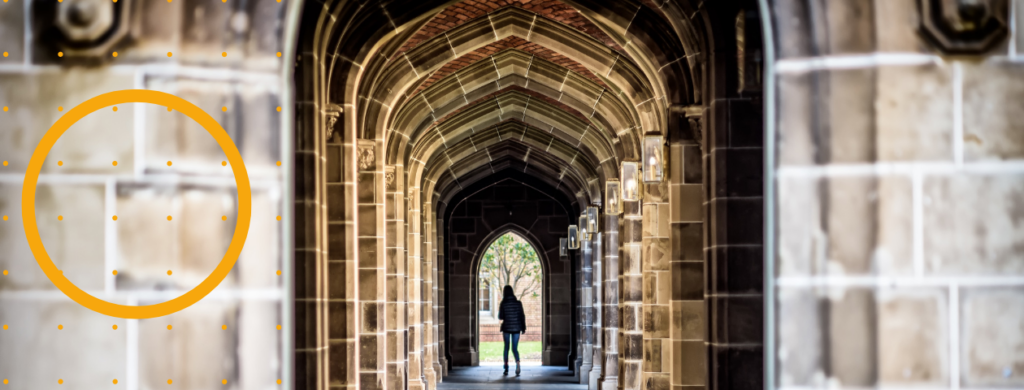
586 312
414 271
596 335
610 309
429 271
576 361
632 292
439 286
657 290
370 227
687 262
395 278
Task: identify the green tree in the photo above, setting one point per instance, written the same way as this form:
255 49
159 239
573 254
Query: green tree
511 261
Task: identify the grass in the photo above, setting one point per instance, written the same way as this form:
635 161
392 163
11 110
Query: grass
490 351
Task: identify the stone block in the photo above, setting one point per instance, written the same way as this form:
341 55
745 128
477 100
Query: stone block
689 362
897 27
87 147
257 343
797 144
74 244
801 239
736 319
688 320
195 351
913 337
848 26
992 126
86 351
992 320
971 224
853 337
894 247
173 136
800 341
12 32
914 109
852 224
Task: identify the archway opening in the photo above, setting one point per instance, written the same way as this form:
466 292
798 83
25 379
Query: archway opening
510 260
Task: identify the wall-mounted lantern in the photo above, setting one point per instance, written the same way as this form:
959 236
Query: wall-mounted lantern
654 158
563 247
592 225
584 232
630 181
612 201
574 237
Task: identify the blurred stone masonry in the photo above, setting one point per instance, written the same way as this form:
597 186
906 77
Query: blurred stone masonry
142 190
900 191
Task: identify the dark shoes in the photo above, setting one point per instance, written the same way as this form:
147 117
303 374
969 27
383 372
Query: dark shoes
506 370
517 369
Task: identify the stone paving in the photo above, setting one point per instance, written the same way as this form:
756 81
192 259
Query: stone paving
532 377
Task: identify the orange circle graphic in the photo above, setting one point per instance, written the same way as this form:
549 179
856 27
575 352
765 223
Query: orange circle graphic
28 203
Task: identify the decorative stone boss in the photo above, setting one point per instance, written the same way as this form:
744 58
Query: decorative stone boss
964 26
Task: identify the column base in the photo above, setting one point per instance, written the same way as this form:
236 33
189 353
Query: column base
438 373
444 368
576 371
595 378
431 379
610 383
585 373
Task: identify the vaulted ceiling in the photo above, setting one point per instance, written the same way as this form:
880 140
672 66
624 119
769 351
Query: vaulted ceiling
559 90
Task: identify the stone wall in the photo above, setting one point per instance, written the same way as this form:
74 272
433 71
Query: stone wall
898 189
175 203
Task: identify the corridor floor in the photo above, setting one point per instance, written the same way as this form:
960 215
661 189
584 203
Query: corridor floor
490 378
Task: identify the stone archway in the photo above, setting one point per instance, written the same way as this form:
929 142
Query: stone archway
474 222
545 281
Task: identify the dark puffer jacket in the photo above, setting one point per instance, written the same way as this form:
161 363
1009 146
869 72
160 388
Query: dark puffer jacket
512 315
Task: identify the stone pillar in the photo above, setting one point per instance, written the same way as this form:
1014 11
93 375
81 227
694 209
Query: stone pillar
429 269
689 353
576 358
610 309
586 312
657 288
372 336
596 335
439 293
414 270
632 292
339 235
395 278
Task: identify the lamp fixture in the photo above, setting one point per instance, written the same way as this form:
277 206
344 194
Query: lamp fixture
612 200
592 222
654 158
630 182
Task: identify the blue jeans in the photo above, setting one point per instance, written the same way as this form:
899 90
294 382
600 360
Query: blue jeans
515 345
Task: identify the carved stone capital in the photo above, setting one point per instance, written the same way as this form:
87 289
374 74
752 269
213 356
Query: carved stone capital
389 178
964 26
333 112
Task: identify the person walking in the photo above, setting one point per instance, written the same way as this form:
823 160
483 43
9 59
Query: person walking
513 324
